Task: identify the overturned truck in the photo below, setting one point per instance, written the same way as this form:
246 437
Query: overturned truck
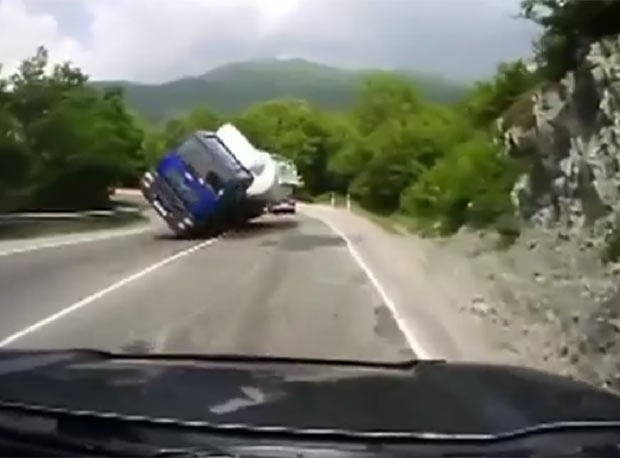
263 168
198 187
213 181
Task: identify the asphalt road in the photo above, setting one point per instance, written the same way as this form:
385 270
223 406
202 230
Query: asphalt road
285 286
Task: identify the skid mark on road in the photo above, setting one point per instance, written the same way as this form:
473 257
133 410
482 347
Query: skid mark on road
101 293
415 345
75 241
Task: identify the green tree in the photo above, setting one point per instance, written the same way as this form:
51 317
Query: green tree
383 97
489 99
568 25
67 142
471 185
15 162
294 129
62 142
398 137
178 128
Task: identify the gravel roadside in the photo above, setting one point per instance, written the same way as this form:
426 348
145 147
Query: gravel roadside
430 288
544 301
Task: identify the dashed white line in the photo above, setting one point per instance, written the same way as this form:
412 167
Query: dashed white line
99 294
415 345
75 241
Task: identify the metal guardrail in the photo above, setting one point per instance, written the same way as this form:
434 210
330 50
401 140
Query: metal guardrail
8 218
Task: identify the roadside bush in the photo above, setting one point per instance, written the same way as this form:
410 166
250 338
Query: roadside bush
471 185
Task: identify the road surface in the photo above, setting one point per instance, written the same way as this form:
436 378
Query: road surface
285 286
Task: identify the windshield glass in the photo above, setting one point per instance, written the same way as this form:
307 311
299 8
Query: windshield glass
400 185
219 151
193 153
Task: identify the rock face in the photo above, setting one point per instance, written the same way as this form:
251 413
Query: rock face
567 135
571 147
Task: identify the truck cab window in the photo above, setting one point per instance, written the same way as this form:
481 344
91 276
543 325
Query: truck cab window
195 156
223 155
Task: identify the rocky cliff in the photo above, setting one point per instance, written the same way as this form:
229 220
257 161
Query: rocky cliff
568 137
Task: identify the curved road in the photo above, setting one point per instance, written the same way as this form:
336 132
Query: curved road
285 286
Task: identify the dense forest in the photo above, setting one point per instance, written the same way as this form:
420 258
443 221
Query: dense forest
235 86
64 142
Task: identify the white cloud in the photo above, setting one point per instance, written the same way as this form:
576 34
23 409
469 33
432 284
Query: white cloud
155 40
21 32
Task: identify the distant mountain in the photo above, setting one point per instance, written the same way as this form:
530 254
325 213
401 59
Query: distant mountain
235 86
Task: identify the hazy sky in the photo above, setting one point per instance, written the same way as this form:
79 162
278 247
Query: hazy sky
157 40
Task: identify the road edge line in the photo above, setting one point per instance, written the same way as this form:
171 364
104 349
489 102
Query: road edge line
413 343
102 292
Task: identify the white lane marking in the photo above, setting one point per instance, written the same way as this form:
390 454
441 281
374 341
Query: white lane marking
75 241
415 345
99 294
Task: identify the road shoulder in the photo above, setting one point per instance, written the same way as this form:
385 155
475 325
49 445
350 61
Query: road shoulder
430 289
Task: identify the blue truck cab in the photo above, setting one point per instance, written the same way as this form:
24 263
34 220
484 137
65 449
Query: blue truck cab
198 186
